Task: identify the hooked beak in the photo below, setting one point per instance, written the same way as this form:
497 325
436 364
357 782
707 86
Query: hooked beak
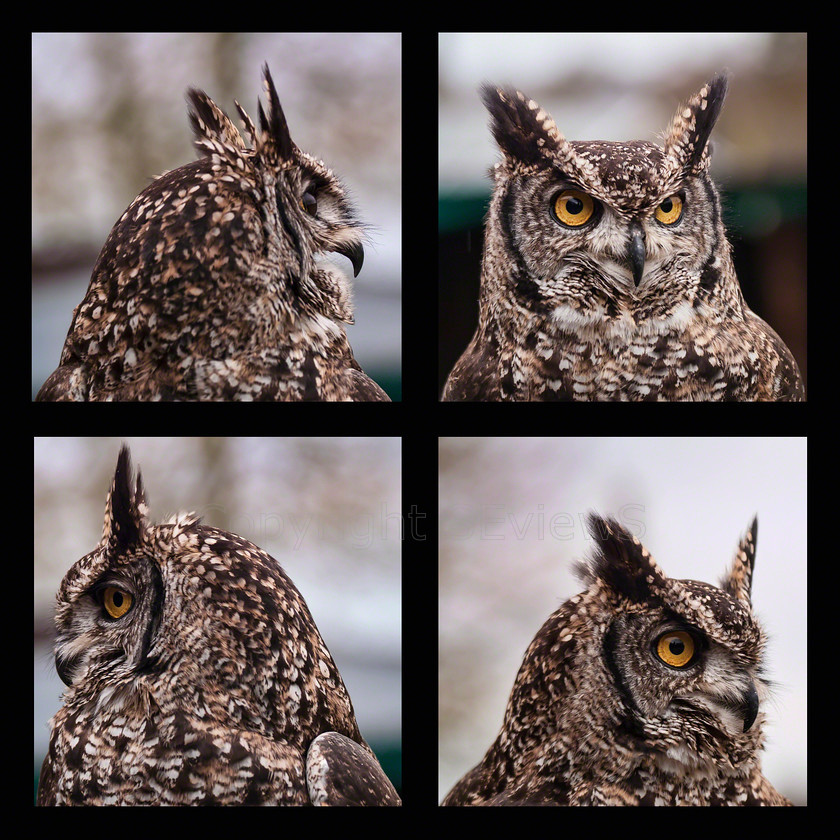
636 252
750 707
355 253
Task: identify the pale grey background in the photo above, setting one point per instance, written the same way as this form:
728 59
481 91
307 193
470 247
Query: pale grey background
604 86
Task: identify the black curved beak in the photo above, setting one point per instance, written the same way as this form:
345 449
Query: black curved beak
355 253
750 707
636 252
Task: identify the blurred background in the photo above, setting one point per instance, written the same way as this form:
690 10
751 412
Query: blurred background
512 521
627 87
327 509
109 115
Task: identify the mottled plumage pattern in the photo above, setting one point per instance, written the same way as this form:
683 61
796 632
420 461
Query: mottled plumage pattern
607 274
642 690
209 286
195 675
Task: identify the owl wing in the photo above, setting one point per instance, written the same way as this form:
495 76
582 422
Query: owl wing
46 783
481 786
67 383
173 760
341 772
475 376
361 388
785 381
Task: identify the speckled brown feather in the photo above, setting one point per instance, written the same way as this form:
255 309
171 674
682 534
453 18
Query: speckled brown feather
211 689
594 718
623 307
208 287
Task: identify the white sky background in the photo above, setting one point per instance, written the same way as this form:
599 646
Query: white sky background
327 509
502 572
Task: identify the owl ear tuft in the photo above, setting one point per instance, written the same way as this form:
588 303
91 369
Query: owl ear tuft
687 138
523 131
738 583
274 126
125 509
213 131
622 562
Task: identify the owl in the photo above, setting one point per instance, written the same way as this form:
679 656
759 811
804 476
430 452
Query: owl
210 285
642 690
606 272
195 675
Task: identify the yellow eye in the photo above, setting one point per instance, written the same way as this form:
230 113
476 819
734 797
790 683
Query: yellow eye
573 208
117 601
675 648
309 204
670 210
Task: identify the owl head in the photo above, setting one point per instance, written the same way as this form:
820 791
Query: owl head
645 669
183 618
301 204
605 231
215 282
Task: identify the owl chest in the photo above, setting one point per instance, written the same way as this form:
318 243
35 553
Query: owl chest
547 366
677 355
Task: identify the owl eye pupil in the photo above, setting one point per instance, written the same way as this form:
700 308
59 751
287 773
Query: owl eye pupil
116 602
667 205
676 648
574 206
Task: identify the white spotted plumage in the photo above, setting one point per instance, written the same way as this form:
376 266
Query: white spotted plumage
195 675
210 285
642 690
631 296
